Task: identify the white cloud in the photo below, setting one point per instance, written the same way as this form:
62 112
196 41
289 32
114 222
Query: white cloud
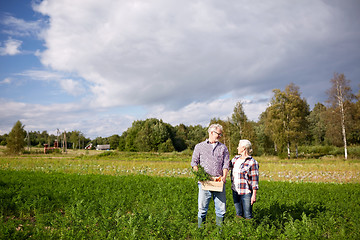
18 27
11 47
202 112
95 121
6 81
176 53
70 86
41 75
81 116
177 59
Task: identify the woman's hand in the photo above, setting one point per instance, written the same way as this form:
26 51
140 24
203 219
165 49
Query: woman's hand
253 197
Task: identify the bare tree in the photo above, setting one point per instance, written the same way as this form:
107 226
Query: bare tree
339 95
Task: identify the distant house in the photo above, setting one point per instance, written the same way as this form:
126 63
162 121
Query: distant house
103 147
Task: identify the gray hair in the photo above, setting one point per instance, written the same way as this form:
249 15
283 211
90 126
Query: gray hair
247 145
214 126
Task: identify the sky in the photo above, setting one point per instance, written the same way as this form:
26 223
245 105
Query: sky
97 66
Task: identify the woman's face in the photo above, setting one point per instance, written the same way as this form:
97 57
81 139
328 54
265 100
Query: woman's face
241 149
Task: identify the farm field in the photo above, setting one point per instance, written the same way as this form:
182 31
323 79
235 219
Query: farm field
40 205
330 170
115 195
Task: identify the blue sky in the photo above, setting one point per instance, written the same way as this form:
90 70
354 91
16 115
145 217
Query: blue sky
96 66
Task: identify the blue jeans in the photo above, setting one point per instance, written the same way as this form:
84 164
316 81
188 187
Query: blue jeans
243 205
204 200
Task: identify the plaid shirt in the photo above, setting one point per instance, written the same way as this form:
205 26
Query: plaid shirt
212 159
244 175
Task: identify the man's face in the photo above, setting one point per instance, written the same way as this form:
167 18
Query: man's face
214 136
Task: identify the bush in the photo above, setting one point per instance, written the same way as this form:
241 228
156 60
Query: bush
318 151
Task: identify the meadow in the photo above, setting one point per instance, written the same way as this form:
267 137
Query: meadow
326 169
113 195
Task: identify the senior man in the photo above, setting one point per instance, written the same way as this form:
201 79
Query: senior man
213 156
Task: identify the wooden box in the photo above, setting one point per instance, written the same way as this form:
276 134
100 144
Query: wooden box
212 186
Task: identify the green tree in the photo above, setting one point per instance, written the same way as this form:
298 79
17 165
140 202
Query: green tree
160 133
114 141
239 119
297 116
166 146
286 120
3 139
143 136
317 123
195 135
43 138
226 133
147 136
155 135
263 140
16 139
353 123
275 120
354 136
237 127
180 137
122 142
75 138
130 133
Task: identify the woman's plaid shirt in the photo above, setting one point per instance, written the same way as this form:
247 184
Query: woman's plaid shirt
244 175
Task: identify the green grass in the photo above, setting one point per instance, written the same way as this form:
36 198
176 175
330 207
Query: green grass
336 170
39 205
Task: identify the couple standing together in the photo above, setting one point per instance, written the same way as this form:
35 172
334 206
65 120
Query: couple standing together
213 156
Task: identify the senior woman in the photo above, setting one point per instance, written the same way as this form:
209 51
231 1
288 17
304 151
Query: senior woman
244 180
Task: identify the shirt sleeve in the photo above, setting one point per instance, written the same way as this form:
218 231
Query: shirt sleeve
254 176
195 157
226 159
231 165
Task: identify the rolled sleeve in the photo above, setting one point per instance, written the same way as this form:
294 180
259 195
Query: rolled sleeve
226 159
195 160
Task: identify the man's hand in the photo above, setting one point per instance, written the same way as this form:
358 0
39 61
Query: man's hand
225 172
195 168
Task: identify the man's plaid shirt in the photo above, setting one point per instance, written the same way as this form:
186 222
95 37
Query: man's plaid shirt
244 175
214 159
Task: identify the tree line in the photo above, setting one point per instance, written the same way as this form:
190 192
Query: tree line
285 125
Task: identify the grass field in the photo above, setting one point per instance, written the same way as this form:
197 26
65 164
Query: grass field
114 195
331 170
40 205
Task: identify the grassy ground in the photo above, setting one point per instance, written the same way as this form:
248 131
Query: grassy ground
38 205
326 169
117 195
